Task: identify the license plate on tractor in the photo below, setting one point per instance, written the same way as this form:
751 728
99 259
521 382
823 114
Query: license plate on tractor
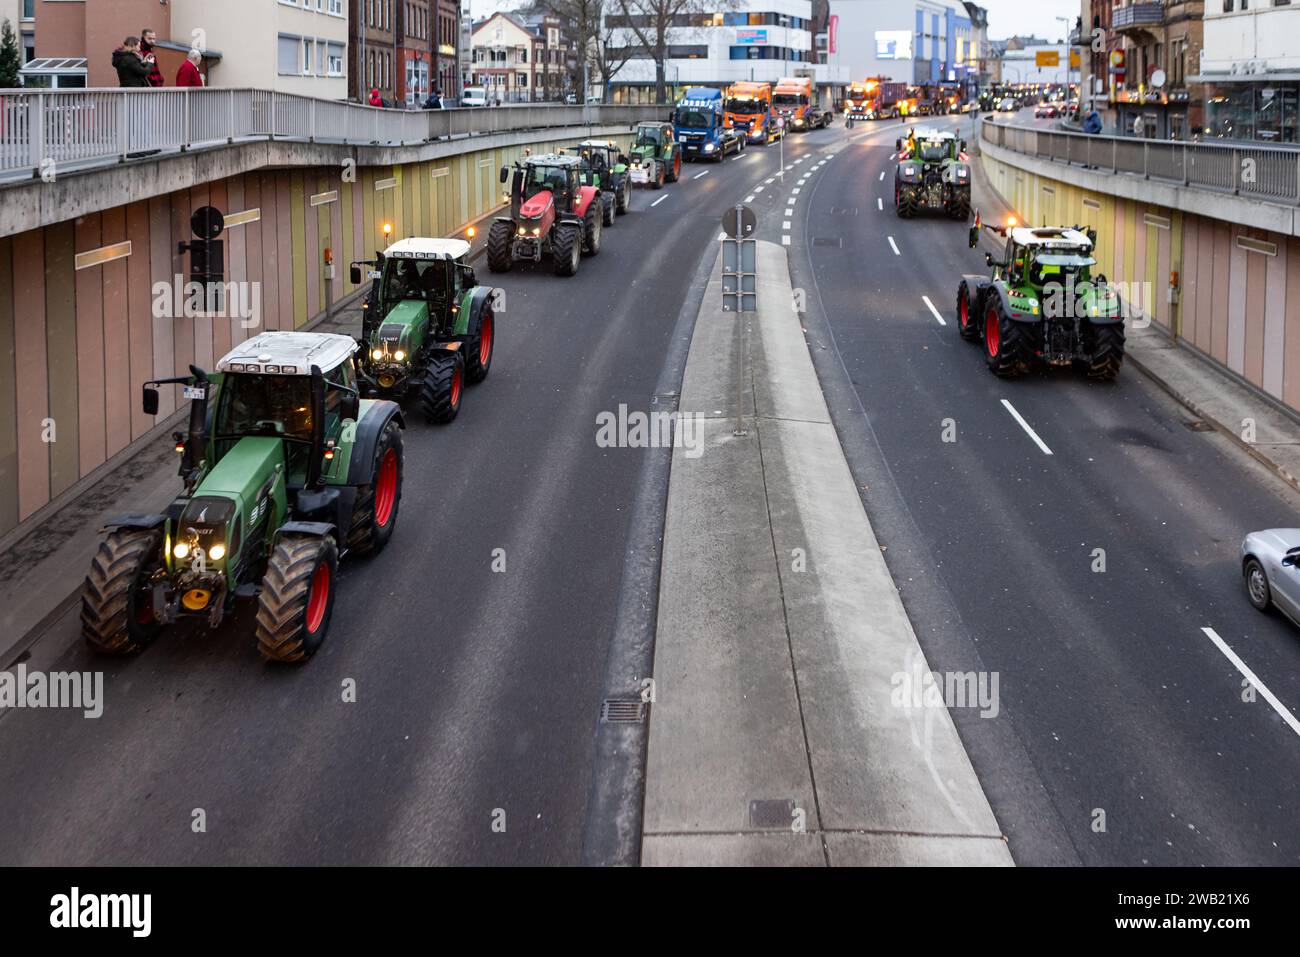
640 174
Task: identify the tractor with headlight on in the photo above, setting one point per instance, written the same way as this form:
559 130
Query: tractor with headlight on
552 213
933 173
428 328
285 469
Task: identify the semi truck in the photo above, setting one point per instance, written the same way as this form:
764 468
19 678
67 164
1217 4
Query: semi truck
698 126
875 98
747 108
793 99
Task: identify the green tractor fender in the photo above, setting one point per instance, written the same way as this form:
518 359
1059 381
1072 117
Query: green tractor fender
317 529
360 450
1014 312
141 521
470 311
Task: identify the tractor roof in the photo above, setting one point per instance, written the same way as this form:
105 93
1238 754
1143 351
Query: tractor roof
419 247
603 144
552 159
657 124
1050 237
288 353
930 133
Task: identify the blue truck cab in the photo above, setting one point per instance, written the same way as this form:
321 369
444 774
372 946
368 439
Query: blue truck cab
697 124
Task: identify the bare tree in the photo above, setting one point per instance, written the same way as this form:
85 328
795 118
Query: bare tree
650 21
585 22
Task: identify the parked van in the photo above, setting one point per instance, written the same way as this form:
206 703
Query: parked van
474 96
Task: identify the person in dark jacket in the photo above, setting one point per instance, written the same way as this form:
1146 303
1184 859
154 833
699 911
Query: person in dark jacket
131 70
434 102
1092 123
188 74
147 40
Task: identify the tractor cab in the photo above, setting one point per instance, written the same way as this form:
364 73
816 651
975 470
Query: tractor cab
541 180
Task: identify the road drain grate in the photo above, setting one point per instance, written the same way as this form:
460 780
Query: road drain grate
622 711
827 241
1199 425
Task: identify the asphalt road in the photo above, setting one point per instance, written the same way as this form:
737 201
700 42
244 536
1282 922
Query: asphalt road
1115 707
478 692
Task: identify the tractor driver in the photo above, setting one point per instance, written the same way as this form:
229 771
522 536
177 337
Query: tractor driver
558 184
405 282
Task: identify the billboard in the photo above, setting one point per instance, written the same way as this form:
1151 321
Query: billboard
1047 58
752 37
893 44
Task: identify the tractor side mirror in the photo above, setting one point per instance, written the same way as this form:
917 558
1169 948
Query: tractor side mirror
622 158
988 259
974 239
898 146
505 174
350 405
1092 235
962 145
354 273
150 401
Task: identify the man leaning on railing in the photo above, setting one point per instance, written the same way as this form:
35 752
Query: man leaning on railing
132 70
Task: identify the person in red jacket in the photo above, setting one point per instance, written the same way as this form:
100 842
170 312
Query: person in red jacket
188 74
375 98
147 39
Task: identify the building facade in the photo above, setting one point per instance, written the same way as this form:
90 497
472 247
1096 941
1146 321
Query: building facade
416 23
760 40
446 48
519 59
372 57
1157 49
1250 68
924 41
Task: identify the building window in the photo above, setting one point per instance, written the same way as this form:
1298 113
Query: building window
289 55
334 59
521 81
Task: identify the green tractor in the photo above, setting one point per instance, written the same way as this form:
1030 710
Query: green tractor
656 155
427 328
606 168
285 469
932 173
1042 303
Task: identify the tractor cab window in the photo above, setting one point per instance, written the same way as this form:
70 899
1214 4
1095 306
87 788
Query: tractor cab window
274 405
595 159
428 279
932 151
547 178
648 136
1015 259
1059 268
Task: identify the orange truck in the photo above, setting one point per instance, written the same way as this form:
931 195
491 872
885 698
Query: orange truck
748 107
875 98
793 99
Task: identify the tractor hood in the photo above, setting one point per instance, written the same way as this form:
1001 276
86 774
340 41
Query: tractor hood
536 205
404 327
243 470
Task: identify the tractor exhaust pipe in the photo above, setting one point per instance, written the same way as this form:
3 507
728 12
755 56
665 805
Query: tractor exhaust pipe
196 442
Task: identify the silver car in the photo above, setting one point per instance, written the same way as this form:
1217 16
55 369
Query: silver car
1269 565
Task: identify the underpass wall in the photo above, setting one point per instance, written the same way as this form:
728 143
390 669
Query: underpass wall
82 325
1239 285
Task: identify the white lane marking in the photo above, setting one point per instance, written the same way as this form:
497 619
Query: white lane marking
1267 695
790 211
786 224
721 236
698 175
1025 425
785 239
758 189
934 311
659 200
894 246
749 198
882 174
790 201
795 191
880 203
768 181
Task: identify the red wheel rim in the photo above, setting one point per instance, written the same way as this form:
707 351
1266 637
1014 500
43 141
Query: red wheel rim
485 340
386 488
963 312
455 388
677 164
318 598
992 332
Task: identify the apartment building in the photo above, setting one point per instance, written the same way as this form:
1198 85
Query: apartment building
1155 48
519 59
1250 66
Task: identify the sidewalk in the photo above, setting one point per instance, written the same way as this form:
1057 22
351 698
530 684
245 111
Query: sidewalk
774 738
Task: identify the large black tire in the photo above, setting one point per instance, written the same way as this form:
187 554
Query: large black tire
443 386
566 248
960 206
500 236
1257 590
906 204
117 614
593 226
608 202
297 598
623 198
374 516
673 171
658 176
1008 345
1107 351
967 327
480 345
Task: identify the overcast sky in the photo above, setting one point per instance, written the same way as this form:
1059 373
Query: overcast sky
1006 17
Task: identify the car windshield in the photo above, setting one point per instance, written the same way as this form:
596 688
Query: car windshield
275 405
693 119
415 278
744 104
648 136
789 99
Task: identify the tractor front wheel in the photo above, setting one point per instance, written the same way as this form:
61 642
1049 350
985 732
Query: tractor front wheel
607 203
117 613
440 392
566 247
375 514
966 327
674 172
657 180
297 597
624 196
499 255
479 346
592 226
1007 344
1107 352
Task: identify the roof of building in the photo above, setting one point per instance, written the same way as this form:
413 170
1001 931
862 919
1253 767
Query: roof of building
288 353
421 247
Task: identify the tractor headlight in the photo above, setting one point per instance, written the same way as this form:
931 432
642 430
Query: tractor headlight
399 355
181 550
537 230
376 354
217 552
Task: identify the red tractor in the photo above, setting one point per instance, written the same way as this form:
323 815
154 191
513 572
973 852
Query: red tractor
551 213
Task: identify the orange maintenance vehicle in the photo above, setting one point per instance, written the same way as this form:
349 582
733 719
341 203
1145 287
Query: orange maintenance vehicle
793 99
875 98
748 107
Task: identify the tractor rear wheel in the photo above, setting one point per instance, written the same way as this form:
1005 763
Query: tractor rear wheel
566 247
297 597
443 384
624 195
117 613
607 202
592 226
673 171
1107 352
479 346
499 255
657 180
375 514
905 202
960 207
1007 344
966 327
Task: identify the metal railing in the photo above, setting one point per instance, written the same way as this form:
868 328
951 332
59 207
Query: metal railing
62 129
1269 174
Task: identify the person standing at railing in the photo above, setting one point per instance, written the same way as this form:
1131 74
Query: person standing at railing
131 70
375 98
188 74
1092 123
147 40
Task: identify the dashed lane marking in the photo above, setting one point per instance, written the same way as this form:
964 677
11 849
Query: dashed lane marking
659 200
934 311
880 203
1267 695
1025 425
894 246
698 175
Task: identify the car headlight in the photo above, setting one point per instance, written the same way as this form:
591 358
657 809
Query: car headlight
708 147
217 552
